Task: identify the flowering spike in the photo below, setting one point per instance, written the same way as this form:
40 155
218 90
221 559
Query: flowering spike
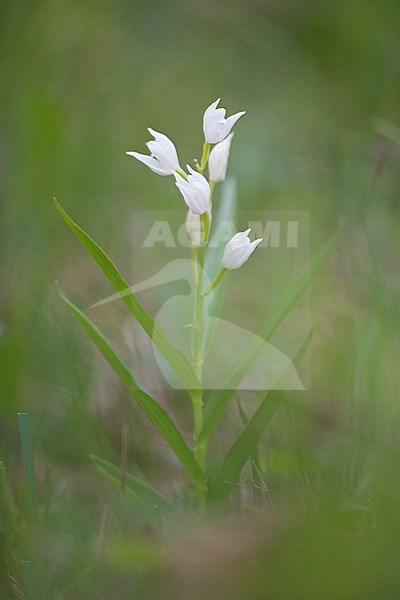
215 126
163 158
238 250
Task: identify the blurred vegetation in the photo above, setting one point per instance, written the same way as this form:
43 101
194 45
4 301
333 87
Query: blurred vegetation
81 82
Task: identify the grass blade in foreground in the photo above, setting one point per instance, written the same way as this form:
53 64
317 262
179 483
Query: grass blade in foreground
5 530
27 457
219 400
28 580
152 506
172 355
244 446
157 415
255 463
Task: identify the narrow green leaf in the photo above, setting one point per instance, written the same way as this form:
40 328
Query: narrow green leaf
30 588
5 530
4 505
172 355
157 415
245 445
27 457
152 506
215 250
255 463
219 400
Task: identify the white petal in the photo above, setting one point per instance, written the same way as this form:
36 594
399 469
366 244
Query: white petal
234 118
213 106
192 171
151 162
218 161
168 147
238 250
215 126
193 226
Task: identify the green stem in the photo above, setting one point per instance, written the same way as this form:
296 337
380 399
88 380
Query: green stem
182 173
205 226
204 158
198 358
198 314
215 281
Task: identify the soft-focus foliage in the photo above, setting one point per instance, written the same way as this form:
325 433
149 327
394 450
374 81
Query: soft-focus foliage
81 82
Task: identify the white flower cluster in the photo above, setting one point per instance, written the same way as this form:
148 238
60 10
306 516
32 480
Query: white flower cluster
194 187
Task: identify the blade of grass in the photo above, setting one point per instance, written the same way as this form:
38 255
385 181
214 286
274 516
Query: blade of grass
27 457
226 214
30 589
149 503
4 531
255 463
4 506
219 400
172 355
244 446
157 415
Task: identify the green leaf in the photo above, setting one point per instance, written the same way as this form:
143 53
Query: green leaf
172 355
152 506
4 505
215 250
157 415
5 533
30 588
219 400
245 445
255 464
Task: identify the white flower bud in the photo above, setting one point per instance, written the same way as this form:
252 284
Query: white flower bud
163 159
218 161
215 126
238 250
193 227
195 191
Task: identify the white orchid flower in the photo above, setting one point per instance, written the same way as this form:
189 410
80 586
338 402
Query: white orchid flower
193 227
218 161
238 250
195 191
216 127
163 159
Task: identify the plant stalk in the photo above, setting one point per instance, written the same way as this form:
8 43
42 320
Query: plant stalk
198 358
215 281
204 158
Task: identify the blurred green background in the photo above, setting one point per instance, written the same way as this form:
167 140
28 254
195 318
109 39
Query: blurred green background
80 83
